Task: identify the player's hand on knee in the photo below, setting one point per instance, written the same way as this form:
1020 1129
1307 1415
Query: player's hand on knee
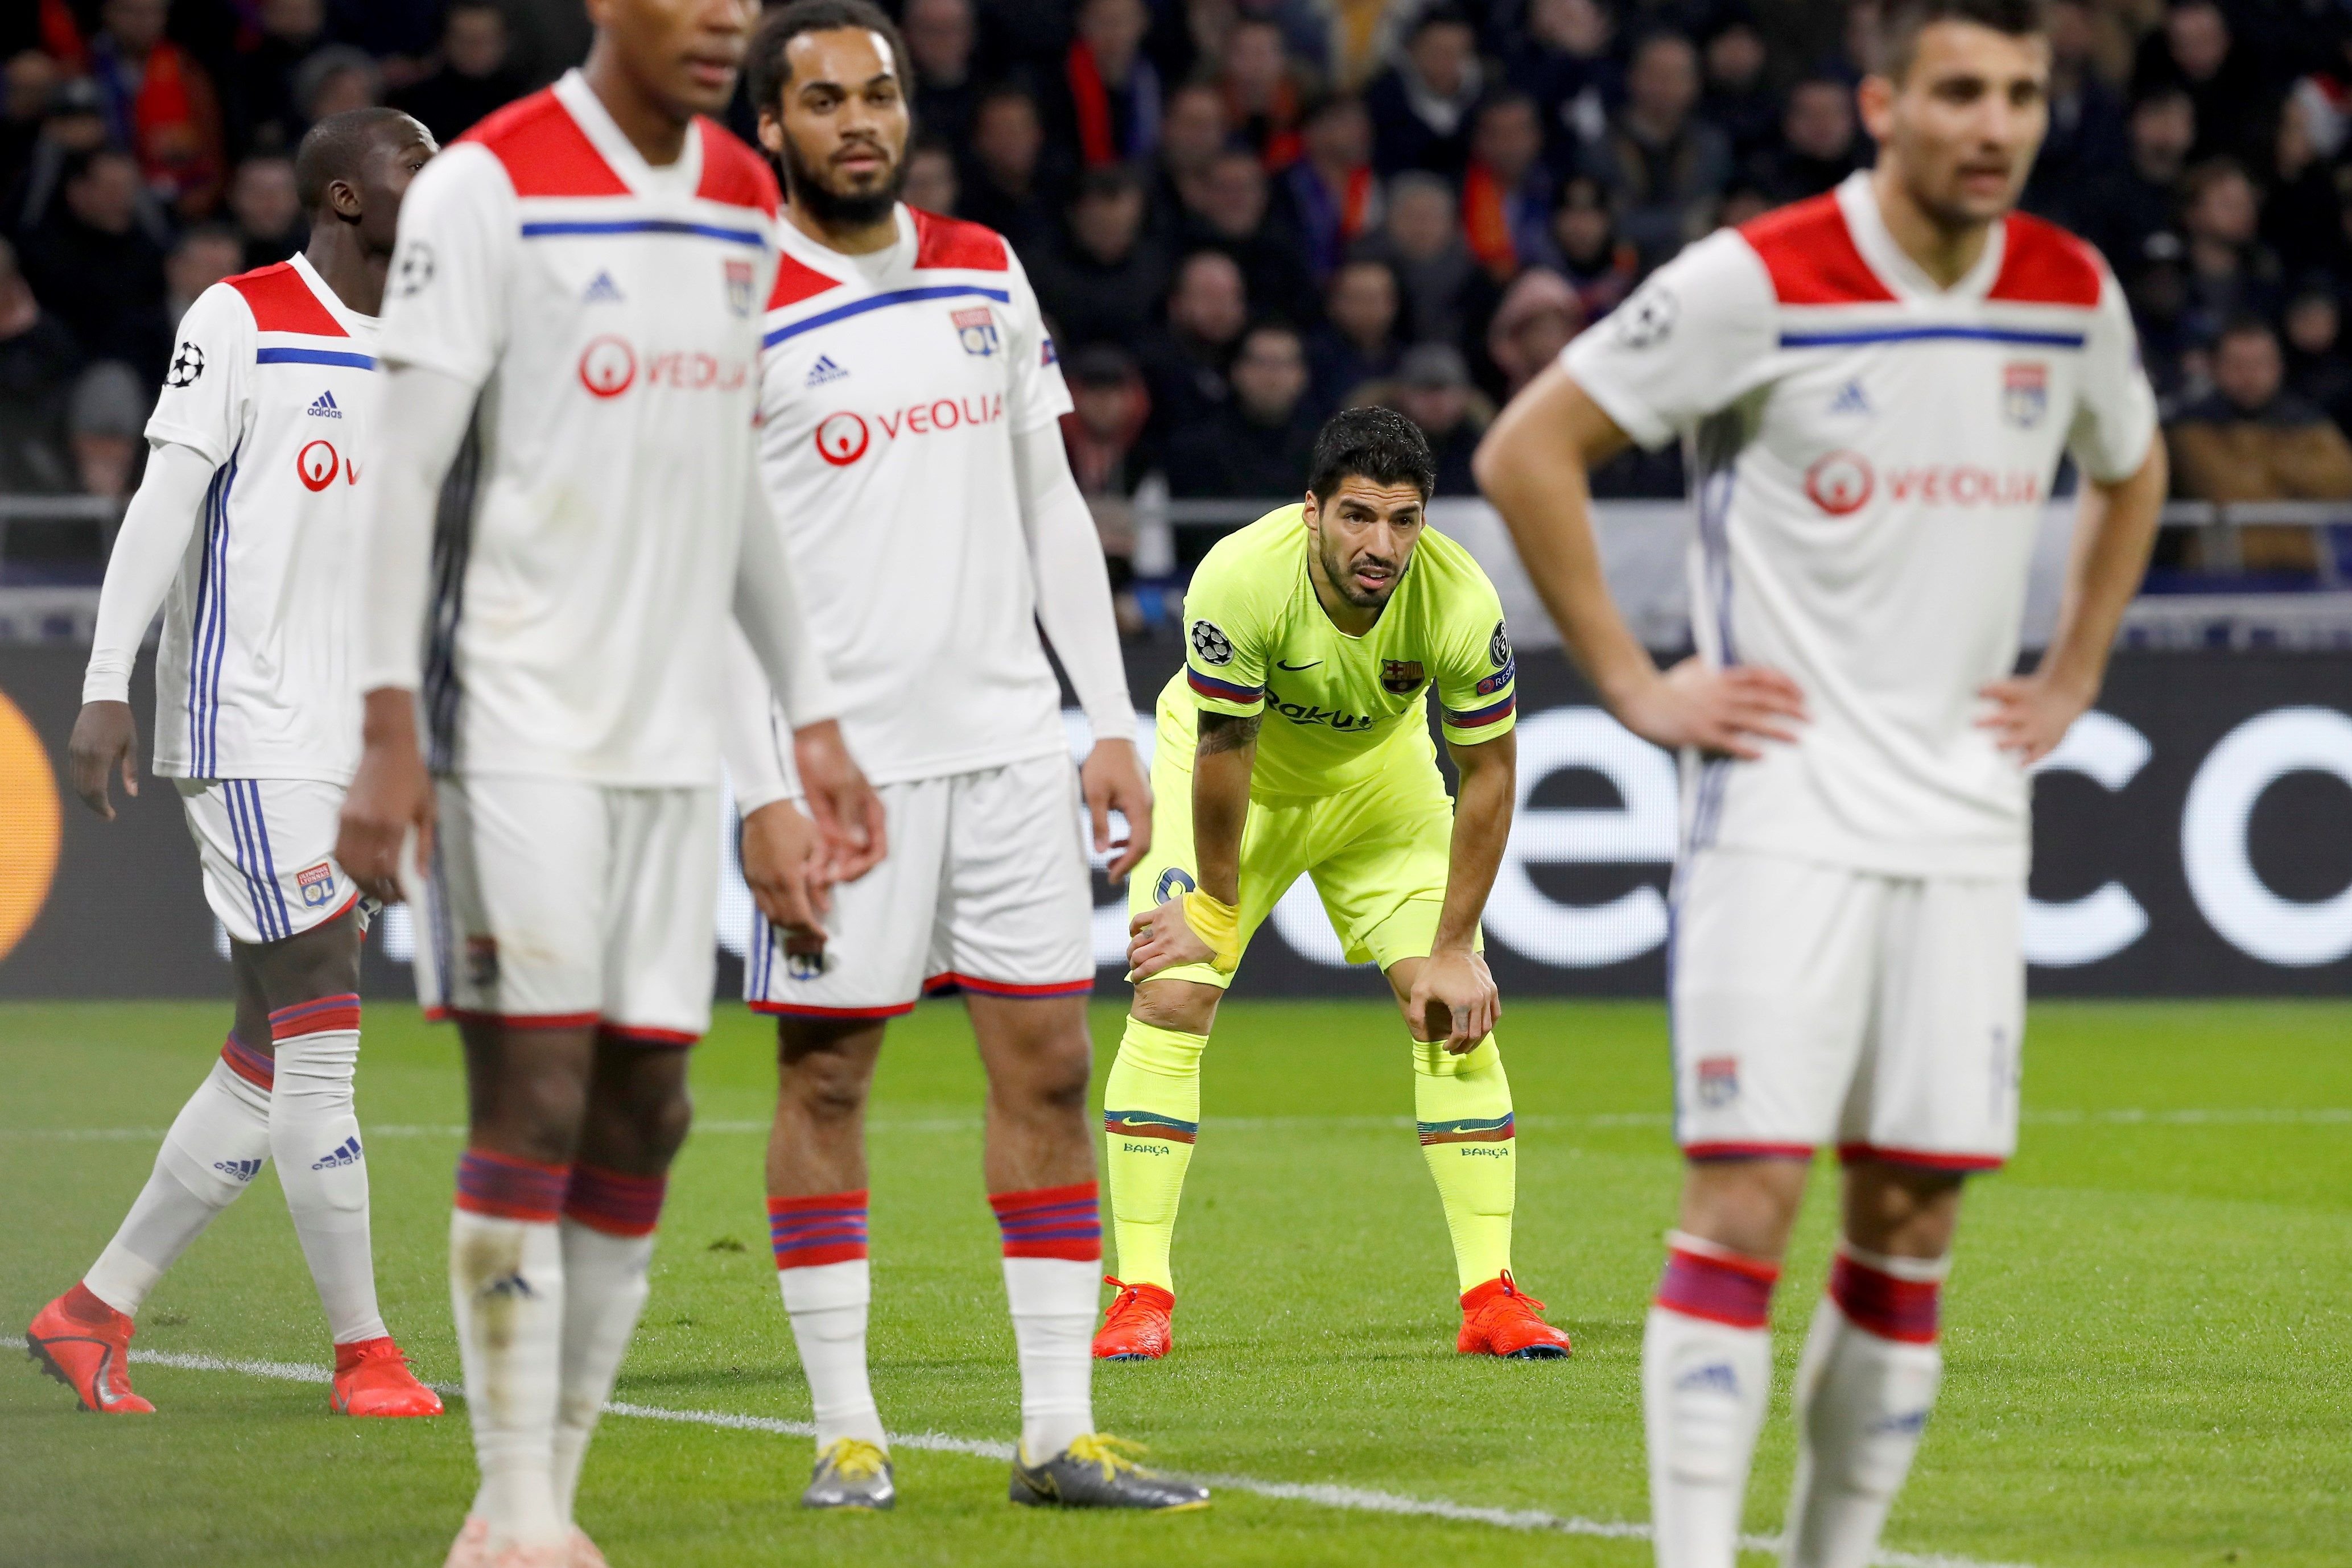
1160 939
1454 1001
1727 710
105 741
844 805
2031 714
785 861
391 797
1112 780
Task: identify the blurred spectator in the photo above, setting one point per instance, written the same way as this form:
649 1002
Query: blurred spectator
260 79
941 37
1184 363
2301 218
2230 271
1737 100
1359 38
2194 51
38 361
1565 63
1190 137
160 104
1446 292
73 124
1330 197
1421 106
2317 370
2122 210
335 80
1262 97
549 37
931 176
1110 101
267 209
473 76
1664 167
1358 339
198 259
27 84
1506 192
104 419
2251 441
91 263
1816 143
1742 202
2085 139
1104 279
1433 389
1232 213
1108 408
1258 444
1003 186
1537 317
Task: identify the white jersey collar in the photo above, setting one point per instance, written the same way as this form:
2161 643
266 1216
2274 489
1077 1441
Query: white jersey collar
680 178
879 268
351 320
1903 277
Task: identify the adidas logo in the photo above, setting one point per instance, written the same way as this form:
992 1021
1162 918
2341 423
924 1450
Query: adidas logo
238 1169
1717 1376
346 1153
1850 400
324 407
824 370
603 291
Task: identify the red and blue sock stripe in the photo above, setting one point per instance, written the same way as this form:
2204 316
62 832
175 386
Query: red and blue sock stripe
326 1015
1149 1124
1879 1303
809 1232
248 1063
506 1187
1051 1222
1719 1288
613 1201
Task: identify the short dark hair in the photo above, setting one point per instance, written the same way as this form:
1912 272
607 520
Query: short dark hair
2244 324
769 69
1900 25
1372 443
332 149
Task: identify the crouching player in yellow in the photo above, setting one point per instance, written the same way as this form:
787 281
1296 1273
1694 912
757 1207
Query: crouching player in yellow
1297 740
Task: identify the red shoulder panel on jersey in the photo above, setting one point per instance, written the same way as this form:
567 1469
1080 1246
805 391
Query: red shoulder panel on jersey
545 151
281 302
1810 255
951 242
2042 264
734 173
796 281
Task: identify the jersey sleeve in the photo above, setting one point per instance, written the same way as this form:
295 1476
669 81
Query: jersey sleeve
209 380
1227 634
2114 416
446 303
1039 394
1478 673
1683 346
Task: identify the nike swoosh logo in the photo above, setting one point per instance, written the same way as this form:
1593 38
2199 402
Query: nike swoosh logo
1308 665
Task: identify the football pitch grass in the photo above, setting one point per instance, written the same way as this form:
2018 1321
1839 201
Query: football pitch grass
2146 1335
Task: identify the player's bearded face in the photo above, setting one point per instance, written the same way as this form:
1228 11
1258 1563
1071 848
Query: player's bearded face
1966 121
842 127
1365 543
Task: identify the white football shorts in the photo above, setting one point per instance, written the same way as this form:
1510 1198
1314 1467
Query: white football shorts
558 904
266 846
1812 1002
985 889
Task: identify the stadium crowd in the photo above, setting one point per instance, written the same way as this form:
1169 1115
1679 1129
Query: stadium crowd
1242 215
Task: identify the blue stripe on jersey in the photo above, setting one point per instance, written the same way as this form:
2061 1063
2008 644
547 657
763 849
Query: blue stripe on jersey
1919 334
247 860
878 301
268 859
210 631
554 229
207 587
314 356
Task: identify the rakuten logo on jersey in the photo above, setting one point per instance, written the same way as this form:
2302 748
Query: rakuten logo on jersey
1843 482
609 366
843 438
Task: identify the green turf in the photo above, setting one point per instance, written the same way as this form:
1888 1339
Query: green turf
2146 1334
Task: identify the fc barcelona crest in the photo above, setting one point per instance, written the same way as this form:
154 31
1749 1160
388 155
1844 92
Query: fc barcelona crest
2024 393
1400 677
975 329
739 287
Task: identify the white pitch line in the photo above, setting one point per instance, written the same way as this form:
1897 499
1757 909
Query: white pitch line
1320 1494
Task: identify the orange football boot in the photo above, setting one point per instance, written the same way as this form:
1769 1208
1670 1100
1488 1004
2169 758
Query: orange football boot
1136 1326
1497 1318
86 1344
371 1378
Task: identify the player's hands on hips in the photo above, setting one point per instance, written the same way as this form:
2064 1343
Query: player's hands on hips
1161 938
105 741
1112 780
844 805
1727 710
391 796
1453 999
785 861
2032 713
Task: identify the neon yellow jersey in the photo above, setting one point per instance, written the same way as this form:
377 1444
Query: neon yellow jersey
1338 709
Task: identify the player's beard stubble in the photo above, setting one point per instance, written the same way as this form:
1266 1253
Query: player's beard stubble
839 209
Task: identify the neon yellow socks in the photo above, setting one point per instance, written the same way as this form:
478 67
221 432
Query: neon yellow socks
1152 1113
1463 1105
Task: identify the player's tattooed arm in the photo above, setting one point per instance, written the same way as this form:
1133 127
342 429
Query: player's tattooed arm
1452 996
1161 938
1227 731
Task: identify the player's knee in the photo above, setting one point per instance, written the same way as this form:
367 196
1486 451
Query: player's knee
1749 1206
1177 1004
826 1086
661 1118
1903 1211
1061 1076
537 1117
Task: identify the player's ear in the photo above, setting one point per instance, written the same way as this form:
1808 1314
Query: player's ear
1874 98
771 133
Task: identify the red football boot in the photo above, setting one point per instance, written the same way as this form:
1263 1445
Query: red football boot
86 1344
371 1378
1498 1319
1136 1328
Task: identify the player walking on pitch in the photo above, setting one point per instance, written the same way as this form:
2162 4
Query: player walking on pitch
246 519
1314 638
911 450
1877 388
574 303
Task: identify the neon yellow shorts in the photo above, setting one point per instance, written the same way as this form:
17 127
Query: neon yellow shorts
1378 851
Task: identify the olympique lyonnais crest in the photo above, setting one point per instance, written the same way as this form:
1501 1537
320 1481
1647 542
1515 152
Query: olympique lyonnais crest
1400 677
739 287
976 328
1718 1081
2024 393
317 885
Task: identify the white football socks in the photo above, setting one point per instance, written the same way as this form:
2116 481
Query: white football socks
507 1288
314 1135
1052 1301
1864 1387
1706 1378
828 1303
604 1290
217 1146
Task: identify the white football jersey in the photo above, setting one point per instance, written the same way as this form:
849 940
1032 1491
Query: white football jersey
608 311
273 381
1870 458
891 389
